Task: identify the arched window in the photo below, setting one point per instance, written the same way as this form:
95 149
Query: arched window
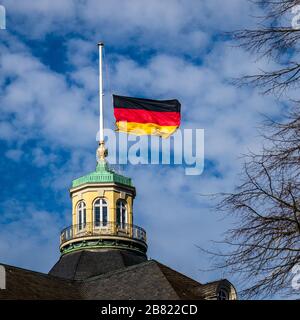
121 213
223 294
100 213
81 214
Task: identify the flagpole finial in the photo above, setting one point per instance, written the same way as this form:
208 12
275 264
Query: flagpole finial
101 152
100 44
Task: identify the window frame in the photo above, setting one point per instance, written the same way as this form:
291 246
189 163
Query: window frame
100 206
81 215
121 224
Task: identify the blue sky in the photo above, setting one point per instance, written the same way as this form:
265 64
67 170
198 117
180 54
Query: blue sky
48 120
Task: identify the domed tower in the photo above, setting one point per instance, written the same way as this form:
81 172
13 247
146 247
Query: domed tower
102 213
102 236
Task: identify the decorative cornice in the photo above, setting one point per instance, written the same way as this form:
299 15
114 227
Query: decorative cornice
103 174
104 243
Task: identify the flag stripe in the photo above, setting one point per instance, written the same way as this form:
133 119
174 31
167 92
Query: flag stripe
145 128
146 104
146 116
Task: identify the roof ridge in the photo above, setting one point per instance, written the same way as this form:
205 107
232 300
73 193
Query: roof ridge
216 281
77 264
46 275
180 273
110 273
183 285
122 257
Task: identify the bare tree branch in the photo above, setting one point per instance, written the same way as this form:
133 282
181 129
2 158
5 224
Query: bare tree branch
265 244
275 41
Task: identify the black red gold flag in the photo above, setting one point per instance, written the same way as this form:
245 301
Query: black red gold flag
145 116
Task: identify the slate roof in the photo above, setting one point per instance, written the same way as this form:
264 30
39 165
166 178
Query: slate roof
24 284
146 280
83 264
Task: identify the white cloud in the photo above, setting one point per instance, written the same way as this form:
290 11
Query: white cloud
169 25
14 154
29 236
40 17
41 158
42 100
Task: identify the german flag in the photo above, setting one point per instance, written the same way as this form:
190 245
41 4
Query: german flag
146 117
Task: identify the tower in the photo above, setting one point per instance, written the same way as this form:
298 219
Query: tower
102 212
102 236
102 228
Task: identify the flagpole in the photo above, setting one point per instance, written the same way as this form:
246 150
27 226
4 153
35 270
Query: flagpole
101 152
101 136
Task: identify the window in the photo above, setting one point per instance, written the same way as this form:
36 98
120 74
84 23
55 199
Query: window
223 294
100 213
81 213
121 214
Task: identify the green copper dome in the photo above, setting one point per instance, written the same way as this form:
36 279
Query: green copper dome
103 174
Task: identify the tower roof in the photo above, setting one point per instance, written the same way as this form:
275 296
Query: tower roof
83 264
102 174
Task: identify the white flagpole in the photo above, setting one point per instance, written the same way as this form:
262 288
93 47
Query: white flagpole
101 151
101 129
